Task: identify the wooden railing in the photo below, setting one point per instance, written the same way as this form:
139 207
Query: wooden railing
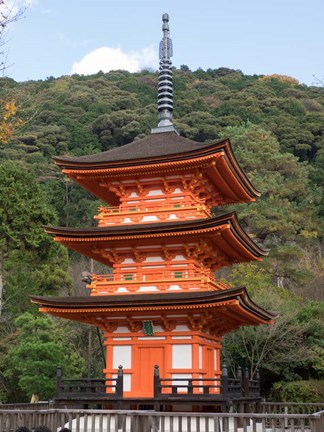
162 279
197 387
174 275
291 408
44 405
222 389
89 388
149 206
149 421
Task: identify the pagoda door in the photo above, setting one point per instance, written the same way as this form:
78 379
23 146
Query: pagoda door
148 358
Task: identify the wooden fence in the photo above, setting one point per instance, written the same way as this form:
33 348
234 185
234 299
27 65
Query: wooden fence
150 421
291 408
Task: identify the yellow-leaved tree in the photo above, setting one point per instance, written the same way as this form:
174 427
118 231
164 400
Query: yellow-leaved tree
9 119
10 12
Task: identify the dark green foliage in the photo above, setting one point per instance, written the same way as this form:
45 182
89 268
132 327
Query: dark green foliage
291 349
298 391
33 359
23 210
80 115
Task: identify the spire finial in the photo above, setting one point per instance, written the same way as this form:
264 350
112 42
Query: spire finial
165 89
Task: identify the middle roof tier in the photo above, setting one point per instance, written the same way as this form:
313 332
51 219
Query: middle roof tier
213 242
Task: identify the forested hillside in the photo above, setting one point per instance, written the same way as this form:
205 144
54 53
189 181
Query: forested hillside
276 127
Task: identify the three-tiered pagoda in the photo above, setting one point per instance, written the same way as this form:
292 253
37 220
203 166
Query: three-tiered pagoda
162 304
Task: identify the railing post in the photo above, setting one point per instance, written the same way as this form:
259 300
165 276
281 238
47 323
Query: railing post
317 422
246 392
239 372
58 380
240 405
246 383
256 377
239 378
190 388
156 379
224 381
120 382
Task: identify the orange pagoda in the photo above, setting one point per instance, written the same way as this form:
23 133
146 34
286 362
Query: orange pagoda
161 306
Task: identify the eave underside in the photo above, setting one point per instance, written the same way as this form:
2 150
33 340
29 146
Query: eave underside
223 233
168 156
218 312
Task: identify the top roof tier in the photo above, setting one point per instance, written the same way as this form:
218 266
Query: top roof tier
161 153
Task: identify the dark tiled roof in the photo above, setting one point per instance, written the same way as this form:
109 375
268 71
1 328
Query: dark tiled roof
145 228
160 228
151 300
152 146
141 299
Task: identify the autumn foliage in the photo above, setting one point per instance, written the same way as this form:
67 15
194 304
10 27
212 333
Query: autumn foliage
285 79
9 120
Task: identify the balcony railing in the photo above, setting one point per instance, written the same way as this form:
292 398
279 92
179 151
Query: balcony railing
159 209
99 388
162 280
224 388
149 206
164 389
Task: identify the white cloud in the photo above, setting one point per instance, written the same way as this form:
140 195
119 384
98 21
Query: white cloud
107 58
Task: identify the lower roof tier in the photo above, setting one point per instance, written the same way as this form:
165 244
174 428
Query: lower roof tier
215 312
221 240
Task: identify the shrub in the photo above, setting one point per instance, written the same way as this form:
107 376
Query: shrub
298 391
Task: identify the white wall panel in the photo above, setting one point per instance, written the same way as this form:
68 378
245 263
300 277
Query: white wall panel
127 381
181 356
181 328
184 382
153 259
181 337
178 257
151 338
149 218
122 355
122 329
147 289
155 192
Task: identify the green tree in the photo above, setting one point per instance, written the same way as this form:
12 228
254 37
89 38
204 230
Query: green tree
117 128
282 219
277 348
23 212
34 358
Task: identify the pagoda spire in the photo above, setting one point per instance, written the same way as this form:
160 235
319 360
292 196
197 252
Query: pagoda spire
165 87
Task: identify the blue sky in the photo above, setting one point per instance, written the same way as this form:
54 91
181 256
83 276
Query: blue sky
59 37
